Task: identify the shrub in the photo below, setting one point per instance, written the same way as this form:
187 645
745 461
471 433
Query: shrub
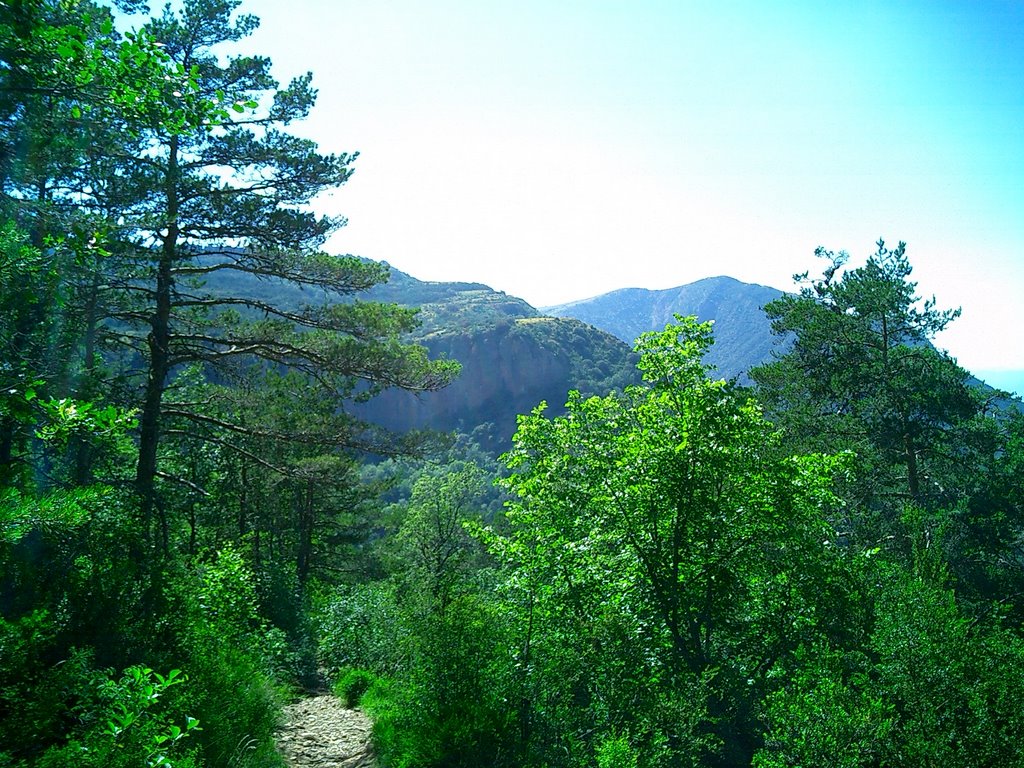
126 722
616 752
352 685
220 638
399 739
359 627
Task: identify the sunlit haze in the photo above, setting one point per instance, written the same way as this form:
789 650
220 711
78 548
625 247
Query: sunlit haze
559 150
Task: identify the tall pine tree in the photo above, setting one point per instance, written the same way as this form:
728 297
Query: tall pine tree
219 199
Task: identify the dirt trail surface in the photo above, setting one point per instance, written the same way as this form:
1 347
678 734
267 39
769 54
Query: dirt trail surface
320 732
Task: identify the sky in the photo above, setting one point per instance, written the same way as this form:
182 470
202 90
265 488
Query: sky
560 149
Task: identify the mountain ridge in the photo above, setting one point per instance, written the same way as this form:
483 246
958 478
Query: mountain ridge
743 335
515 355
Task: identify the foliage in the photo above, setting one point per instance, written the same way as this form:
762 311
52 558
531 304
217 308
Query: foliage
675 579
60 508
948 675
153 433
431 629
616 752
352 684
827 713
662 532
125 721
448 707
215 628
359 627
432 541
863 376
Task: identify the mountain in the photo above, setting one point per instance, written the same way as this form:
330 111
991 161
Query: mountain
1010 380
743 336
514 356
512 359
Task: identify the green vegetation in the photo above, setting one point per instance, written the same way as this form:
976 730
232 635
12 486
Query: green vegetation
674 583
176 463
199 521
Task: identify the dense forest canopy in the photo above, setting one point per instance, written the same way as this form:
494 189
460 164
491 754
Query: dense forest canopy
195 526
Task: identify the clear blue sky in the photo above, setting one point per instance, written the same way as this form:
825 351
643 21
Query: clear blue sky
563 148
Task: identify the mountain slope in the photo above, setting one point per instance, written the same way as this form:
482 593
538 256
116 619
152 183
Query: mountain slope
508 368
512 359
743 336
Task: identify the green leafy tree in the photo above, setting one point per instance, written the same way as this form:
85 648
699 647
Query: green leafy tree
927 686
952 678
22 343
934 455
435 545
661 531
982 535
68 78
829 712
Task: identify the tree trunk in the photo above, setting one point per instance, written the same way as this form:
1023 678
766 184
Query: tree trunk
305 551
159 352
83 450
913 479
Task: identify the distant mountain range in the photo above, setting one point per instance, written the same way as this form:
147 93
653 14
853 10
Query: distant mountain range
743 335
514 356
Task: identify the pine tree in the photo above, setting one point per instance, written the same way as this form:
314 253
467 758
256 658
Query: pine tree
217 199
863 375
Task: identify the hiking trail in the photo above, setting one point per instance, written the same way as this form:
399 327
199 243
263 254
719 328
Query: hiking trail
320 732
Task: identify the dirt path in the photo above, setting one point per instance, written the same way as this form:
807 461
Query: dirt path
320 732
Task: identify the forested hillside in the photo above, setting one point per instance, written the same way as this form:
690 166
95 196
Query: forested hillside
743 335
203 517
511 356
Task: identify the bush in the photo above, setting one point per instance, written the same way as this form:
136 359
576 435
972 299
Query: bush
616 752
359 627
236 704
399 738
450 705
352 685
289 640
126 722
220 638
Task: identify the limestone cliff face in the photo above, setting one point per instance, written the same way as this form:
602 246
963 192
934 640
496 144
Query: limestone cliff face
507 369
